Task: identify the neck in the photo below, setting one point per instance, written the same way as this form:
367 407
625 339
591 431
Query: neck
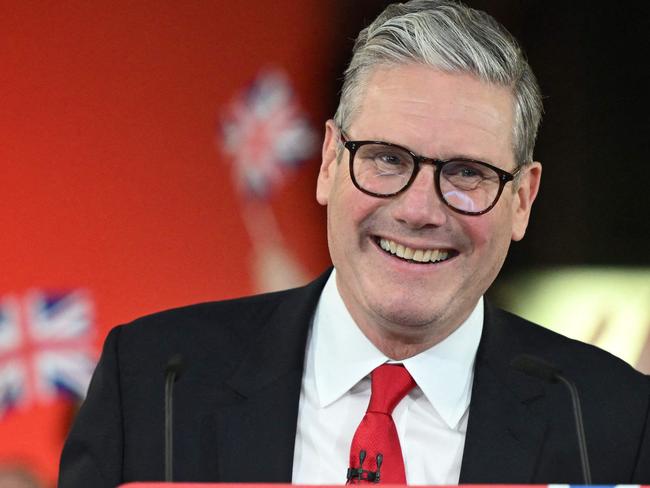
400 342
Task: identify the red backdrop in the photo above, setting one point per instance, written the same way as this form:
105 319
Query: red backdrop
112 179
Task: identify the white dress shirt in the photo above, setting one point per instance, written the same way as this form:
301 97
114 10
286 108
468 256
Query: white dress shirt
431 420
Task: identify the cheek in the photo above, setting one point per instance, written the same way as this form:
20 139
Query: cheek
477 230
489 236
349 208
345 215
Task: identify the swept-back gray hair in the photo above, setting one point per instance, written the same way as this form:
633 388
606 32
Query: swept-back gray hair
453 38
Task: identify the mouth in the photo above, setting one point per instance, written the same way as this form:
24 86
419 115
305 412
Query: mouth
415 255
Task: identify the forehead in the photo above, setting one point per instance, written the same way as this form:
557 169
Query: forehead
436 113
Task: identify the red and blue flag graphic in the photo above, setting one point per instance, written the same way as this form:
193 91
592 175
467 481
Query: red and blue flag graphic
46 348
266 133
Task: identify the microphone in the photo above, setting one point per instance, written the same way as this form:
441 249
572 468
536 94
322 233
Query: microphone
359 474
172 373
543 370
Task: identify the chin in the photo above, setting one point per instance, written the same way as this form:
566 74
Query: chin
408 315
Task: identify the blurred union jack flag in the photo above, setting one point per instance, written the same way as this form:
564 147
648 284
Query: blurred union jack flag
46 348
266 133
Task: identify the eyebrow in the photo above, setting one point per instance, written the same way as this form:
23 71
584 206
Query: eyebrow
450 158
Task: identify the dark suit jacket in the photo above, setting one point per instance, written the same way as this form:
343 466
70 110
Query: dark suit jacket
236 404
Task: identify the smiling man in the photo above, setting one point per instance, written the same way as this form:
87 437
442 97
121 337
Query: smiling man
450 207
392 367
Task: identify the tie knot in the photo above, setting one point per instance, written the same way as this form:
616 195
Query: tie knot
390 383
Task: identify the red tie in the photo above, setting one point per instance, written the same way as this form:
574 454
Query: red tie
375 445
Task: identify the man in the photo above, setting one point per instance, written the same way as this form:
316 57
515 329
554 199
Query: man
427 174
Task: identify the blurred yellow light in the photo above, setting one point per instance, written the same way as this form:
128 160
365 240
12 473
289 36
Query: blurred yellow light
608 307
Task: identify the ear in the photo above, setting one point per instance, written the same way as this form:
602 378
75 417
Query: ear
329 163
524 197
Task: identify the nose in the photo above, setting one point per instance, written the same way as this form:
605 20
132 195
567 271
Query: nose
419 205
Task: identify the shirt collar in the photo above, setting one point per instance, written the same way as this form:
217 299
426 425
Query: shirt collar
343 356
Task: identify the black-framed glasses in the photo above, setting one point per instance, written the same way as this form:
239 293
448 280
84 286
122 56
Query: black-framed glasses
382 169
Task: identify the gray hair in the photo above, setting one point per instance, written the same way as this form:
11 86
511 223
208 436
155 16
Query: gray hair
453 38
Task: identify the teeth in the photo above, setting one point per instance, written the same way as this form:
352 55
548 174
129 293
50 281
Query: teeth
400 251
419 255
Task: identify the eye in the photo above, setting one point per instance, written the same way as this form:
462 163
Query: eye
391 158
384 160
469 172
467 175
463 169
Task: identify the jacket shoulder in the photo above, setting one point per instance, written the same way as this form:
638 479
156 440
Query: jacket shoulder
214 336
240 314
576 358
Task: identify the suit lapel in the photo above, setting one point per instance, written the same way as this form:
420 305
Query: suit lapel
256 432
504 437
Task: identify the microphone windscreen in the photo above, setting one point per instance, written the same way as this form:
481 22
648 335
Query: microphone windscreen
536 367
175 365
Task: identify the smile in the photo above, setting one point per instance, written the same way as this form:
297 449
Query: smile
417 255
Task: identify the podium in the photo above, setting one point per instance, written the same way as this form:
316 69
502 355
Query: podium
287 485
160 484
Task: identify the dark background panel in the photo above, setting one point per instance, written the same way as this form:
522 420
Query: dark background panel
590 59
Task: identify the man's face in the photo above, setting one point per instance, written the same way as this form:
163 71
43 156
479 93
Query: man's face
440 116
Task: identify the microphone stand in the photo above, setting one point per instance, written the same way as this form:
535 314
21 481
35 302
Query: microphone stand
539 368
172 373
